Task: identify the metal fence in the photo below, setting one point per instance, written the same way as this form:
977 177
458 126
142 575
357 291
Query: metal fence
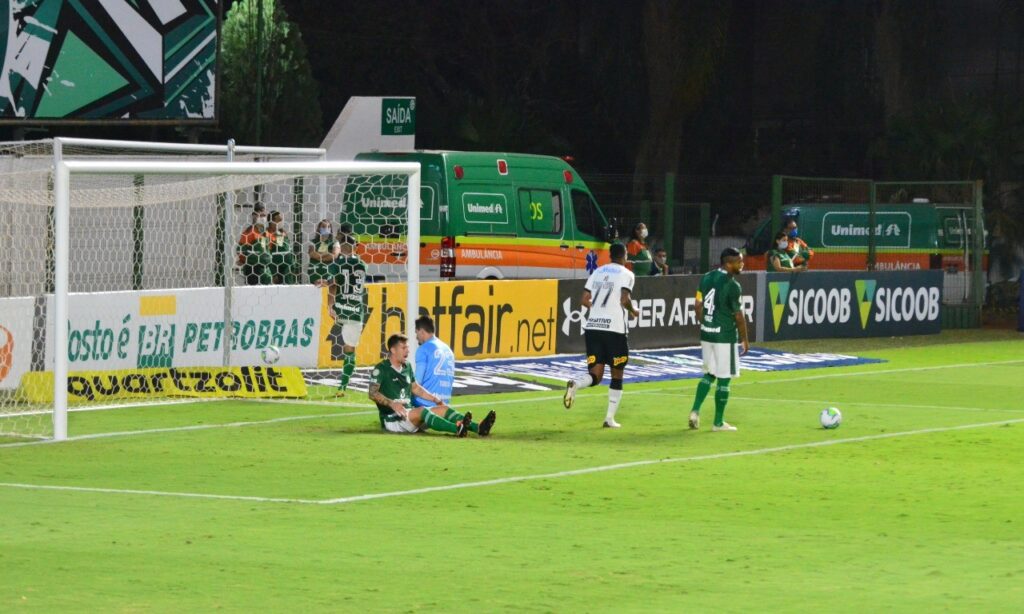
861 224
708 212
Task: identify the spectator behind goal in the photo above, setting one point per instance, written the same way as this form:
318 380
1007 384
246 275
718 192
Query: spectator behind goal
322 253
254 249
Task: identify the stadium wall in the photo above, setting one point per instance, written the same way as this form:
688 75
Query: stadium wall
667 312
165 329
160 329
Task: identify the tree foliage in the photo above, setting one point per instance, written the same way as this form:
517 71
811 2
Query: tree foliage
289 110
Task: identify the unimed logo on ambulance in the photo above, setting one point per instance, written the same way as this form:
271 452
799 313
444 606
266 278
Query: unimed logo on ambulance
834 306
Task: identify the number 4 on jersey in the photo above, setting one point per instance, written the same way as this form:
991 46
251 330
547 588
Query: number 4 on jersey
709 303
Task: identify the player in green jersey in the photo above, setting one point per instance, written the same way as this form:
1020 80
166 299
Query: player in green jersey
722 325
392 386
347 297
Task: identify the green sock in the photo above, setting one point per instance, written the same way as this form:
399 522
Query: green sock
703 388
721 398
347 369
453 416
437 423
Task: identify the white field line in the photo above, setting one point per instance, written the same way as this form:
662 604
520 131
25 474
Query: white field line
963 365
474 404
774 380
47 412
900 405
191 427
844 403
21 435
455 405
155 493
199 427
519 478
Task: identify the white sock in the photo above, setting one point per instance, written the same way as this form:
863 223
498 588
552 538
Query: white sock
614 396
584 381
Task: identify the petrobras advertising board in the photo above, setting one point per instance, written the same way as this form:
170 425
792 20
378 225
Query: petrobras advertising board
16 335
174 328
667 307
812 304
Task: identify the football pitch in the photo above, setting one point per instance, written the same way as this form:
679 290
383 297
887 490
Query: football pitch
915 503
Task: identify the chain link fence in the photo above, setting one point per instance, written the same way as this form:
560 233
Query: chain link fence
709 212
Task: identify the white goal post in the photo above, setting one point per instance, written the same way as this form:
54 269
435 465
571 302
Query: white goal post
65 172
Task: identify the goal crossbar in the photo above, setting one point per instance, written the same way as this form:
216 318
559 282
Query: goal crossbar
193 148
65 169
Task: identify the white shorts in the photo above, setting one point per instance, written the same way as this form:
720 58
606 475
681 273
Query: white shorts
721 359
400 426
351 331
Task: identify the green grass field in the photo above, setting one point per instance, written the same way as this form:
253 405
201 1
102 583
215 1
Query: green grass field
917 506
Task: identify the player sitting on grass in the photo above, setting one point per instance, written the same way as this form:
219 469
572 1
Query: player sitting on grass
435 368
392 387
720 317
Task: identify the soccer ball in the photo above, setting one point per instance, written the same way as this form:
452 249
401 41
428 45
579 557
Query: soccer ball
831 418
271 355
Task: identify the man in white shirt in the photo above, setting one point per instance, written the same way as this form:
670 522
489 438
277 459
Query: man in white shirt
608 297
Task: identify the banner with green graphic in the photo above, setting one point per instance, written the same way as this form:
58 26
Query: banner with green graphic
94 61
811 305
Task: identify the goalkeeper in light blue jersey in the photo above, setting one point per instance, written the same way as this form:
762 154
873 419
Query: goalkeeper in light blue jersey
435 364
435 371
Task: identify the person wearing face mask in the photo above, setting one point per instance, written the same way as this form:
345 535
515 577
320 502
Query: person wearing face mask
322 252
638 256
780 259
802 254
660 264
254 248
249 234
282 259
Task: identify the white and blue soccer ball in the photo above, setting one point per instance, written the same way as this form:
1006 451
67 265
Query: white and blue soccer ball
270 354
831 418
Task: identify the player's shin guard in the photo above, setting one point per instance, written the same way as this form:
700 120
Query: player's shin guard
453 416
721 399
614 396
347 369
703 388
437 423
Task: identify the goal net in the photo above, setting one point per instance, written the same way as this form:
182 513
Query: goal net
141 281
